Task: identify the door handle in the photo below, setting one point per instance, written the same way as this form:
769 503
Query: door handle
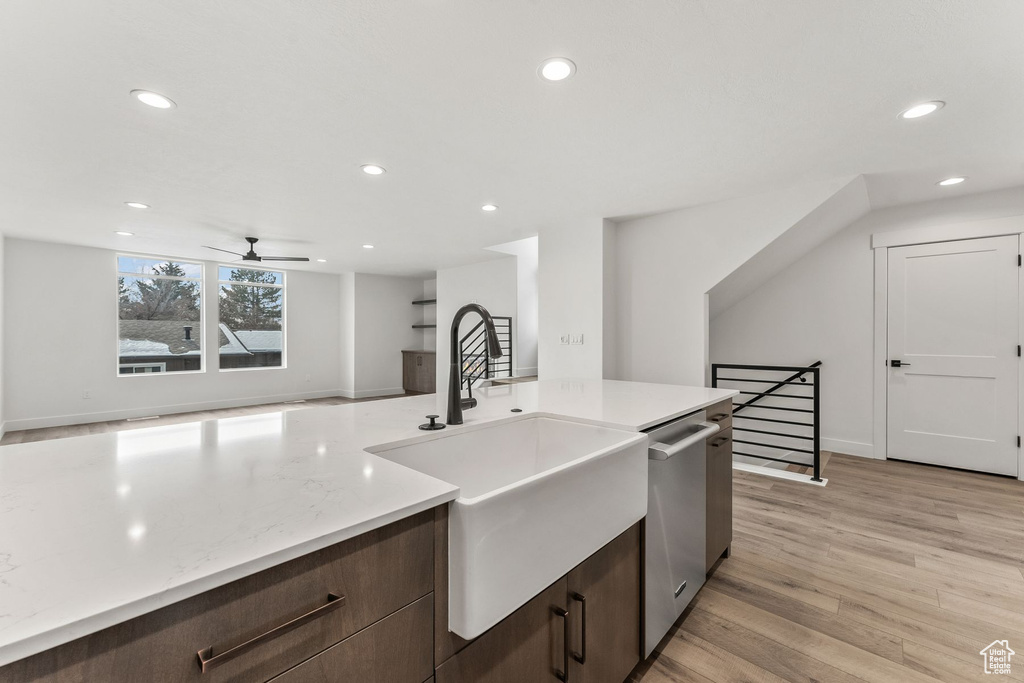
581 656
563 675
898 364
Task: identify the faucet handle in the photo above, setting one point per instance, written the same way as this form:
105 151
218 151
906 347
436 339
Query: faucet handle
433 426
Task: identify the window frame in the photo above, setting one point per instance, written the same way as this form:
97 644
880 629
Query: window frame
201 323
283 286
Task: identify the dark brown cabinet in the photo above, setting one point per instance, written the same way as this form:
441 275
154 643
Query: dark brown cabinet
604 597
719 485
419 371
586 624
336 592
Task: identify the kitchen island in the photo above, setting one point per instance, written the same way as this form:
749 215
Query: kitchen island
102 529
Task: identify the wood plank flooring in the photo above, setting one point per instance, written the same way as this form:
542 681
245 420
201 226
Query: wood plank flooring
46 433
893 572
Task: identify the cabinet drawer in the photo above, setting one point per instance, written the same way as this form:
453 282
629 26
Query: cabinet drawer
721 413
397 649
377 573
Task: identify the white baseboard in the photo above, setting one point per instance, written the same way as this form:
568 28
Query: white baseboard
86 418
861 450
369 393
526 372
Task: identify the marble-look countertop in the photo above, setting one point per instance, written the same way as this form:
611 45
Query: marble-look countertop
96 530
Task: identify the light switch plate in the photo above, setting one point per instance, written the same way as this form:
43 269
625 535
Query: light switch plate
576 338
564 339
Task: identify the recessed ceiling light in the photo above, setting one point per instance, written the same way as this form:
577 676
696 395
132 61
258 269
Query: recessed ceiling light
367 246
557 69
489 207
372 169
124 233
956 180
321 260
923 109
137 205
153 99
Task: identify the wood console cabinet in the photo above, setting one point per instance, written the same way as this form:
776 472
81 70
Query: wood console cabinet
588 621
719 484
419 371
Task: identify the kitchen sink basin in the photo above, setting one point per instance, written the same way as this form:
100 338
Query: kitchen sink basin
537 496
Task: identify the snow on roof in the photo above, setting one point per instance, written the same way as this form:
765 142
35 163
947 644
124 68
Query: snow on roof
260 341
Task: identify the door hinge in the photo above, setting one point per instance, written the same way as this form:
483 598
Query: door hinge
1019 260
1018 350
1018 441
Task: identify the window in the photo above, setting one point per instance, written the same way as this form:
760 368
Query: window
251 318
159 328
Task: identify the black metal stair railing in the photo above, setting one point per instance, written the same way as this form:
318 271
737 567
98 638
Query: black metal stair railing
476 363
801 434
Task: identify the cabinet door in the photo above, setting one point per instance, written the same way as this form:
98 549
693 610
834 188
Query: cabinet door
528 645
604 601
719 502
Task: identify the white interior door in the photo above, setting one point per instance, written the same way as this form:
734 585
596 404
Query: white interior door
953 330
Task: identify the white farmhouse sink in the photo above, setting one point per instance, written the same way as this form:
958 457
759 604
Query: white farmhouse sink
538 496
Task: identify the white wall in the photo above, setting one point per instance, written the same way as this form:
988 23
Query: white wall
3 382
347 347
428 340
383 328
821 308
666 263
527 319
492 284
61 341
571 285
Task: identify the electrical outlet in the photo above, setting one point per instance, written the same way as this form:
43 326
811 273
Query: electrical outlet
307 377
576 338
564 339
86 394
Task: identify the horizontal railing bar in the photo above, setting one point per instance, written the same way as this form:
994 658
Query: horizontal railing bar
765 381
769 419
765 457
757 405
758 393
768 445
768 368
761 431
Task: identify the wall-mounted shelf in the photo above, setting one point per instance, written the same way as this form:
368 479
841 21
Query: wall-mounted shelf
423 327
424 302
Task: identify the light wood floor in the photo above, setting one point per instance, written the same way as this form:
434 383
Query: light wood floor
29 435
893 572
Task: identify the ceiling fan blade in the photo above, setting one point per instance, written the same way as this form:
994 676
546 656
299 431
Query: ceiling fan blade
284 258
224 250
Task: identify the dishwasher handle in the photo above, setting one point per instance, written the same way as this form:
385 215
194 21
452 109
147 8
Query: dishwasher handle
664 451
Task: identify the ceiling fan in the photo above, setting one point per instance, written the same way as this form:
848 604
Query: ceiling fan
253 256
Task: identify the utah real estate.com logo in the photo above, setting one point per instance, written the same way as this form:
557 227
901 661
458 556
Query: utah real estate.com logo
997 657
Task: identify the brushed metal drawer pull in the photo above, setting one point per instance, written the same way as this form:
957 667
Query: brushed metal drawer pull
718 442
207 660
719 417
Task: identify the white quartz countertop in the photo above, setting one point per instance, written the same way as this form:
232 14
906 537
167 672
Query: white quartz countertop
96 530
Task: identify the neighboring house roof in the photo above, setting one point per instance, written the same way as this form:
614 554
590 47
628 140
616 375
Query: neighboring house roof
230 345
261 341
158 338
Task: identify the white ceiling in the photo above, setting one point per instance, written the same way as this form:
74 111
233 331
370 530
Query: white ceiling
674 103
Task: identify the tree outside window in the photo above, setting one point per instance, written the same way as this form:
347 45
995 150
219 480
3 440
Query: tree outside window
251 305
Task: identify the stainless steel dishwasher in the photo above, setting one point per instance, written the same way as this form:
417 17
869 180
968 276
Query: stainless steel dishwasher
676 521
